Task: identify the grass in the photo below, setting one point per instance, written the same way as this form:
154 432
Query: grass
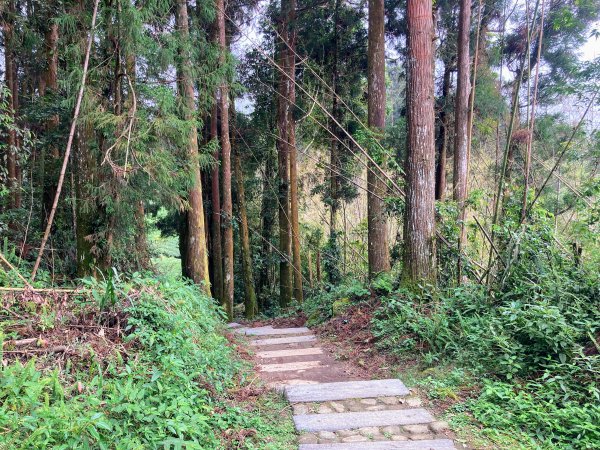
449 390
165 253
169 379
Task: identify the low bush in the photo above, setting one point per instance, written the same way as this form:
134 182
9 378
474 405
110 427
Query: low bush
530 338
169 390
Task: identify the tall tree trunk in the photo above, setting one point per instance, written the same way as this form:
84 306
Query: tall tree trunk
318 266
141 243
293 153
335 160
215 217
85 165
14 198
251 309
419 218
49 82
285 241
311 278
440 170
379 260
227 206
461 121
267 214
195 259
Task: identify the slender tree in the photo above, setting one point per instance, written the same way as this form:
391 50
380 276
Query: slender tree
461 130
293 153
215 216
419 218
227 206
377 225
336 112
440 169
251 305
283 146
195 261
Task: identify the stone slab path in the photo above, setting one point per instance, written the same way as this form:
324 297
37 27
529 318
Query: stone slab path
332 409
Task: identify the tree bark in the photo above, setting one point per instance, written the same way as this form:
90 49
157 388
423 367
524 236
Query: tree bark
251 304
195 259
85 206
293 153
419 218
215 217
378 251
285 241
440 170
311 281
49 82
267 213
461 121
318 266
227 206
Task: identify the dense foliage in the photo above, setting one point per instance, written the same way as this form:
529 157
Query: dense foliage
170 388
529 346
242 145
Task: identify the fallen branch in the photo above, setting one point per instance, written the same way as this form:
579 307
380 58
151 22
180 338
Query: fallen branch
10 311
55 349
33 289
21 342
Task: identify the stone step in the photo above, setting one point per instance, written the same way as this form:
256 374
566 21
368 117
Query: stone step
279 386
286 340
233 325
286 367
345 390
352 420
269 331
429 444
289 353
244 330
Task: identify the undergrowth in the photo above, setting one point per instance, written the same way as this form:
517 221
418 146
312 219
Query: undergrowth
528 346
169 386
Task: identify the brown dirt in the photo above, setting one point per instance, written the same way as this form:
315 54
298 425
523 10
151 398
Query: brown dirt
282 322
349 337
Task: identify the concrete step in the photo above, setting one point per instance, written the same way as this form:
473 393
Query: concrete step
286 367
270 331
285 340
345 390
429 444
244 330
352 420
289 353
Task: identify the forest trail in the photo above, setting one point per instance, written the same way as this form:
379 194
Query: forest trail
335 410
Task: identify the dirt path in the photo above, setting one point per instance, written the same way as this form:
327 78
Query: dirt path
334 409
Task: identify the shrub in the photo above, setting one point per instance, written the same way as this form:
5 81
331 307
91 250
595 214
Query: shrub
171 391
